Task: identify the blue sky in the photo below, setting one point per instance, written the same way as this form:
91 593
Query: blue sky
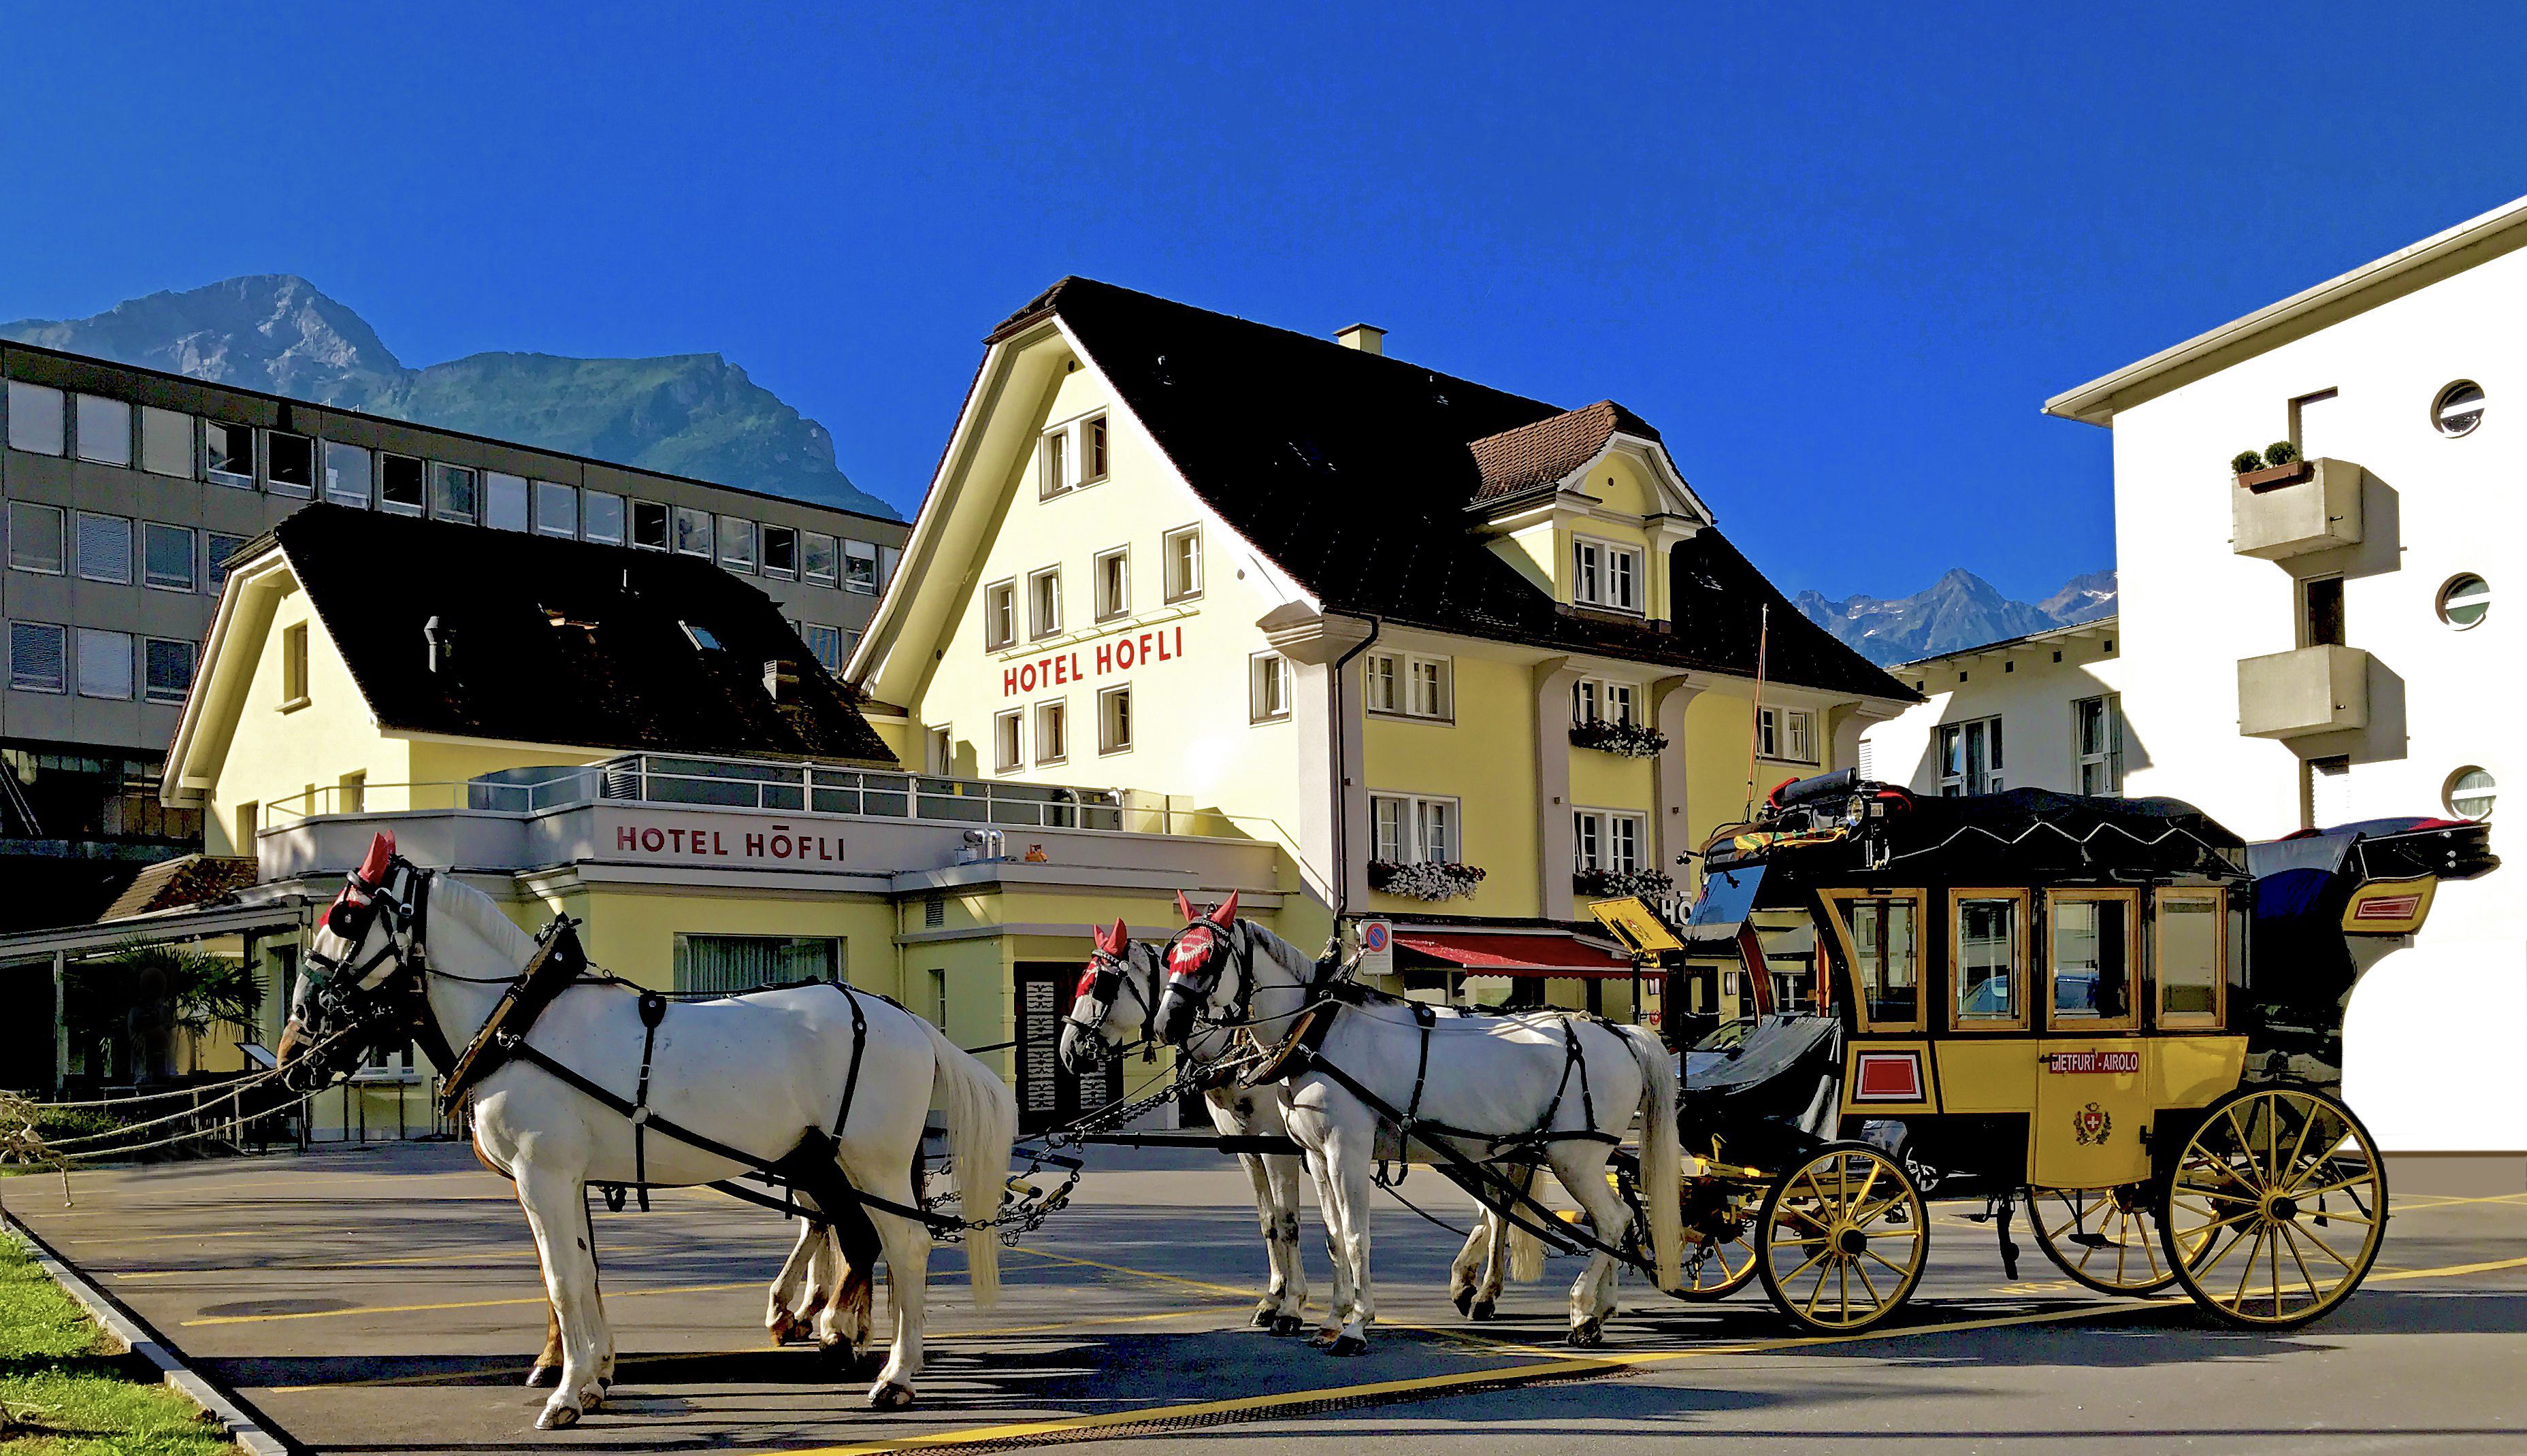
1838 255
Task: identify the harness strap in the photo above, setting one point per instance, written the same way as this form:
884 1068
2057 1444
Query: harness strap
860 1048
653 1010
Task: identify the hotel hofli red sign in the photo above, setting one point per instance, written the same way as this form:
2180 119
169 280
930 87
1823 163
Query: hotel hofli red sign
1090 659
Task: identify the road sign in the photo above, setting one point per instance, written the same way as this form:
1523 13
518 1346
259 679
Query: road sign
1635 925
1376 946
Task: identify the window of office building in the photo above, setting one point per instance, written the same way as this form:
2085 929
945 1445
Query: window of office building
458 493
167 556
556 508
601 517
36 543
504 501
104 664
888 559
819 557
217 551
168 670
38 654
166 443
860 568
290 463
650 530
736 543
35 415
402 484
228 454
825 642
780 551
104 430
693 535
104 548
348 474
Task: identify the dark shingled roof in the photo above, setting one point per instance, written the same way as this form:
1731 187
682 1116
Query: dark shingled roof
1517 461
1354 470
560 641
186 879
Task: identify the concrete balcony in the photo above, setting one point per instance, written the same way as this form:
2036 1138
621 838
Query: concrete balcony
2317 509
2313 691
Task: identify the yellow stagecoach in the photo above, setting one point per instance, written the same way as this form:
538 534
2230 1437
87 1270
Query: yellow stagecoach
2111 1008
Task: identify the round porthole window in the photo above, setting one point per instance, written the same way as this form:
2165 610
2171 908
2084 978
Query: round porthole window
2470 792
2465 600
2458 409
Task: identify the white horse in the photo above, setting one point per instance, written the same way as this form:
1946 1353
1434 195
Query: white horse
1565 1083
1117 999
764 1075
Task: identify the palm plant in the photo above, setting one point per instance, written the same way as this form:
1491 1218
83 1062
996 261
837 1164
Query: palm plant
137 997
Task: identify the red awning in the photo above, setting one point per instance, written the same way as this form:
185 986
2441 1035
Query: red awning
1516 955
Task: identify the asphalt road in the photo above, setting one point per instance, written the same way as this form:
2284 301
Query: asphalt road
385 1300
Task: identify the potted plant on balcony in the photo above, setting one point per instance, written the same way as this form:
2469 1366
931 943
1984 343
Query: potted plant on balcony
1617 737
1423 879
2279 464
1649 884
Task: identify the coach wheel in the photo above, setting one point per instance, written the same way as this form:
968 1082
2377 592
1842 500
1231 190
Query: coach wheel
2106 1239
1720 1222
1842 1240
2276 1208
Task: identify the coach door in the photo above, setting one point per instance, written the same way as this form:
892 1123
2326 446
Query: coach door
1047 1095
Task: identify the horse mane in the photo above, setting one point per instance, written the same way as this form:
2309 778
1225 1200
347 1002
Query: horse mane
482 915
1290 956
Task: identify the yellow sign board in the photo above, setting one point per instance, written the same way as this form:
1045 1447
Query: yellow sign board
1633 922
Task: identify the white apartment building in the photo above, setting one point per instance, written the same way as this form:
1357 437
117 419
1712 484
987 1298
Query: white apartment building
2320 644
2043 711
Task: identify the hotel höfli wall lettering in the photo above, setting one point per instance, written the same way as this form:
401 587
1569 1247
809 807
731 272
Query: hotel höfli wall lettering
719 839
1091 660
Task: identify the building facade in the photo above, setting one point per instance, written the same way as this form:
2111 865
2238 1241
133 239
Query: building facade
2318 643
2043 711
128 490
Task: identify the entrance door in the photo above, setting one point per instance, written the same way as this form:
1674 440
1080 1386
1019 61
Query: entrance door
1047 1095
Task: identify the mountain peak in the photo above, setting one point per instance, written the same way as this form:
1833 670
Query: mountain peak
693 415
1960 610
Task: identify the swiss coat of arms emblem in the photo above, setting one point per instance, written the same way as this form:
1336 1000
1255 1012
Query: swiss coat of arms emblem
2091 1126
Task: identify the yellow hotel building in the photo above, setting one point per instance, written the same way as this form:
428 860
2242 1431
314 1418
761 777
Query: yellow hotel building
1193 605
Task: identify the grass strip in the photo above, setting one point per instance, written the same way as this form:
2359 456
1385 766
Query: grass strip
64 1390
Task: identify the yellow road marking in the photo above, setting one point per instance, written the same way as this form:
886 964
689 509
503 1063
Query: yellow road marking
453 1258
407 1309
2448 1271
1168 1278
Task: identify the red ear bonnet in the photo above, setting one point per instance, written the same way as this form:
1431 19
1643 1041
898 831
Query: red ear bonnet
1098 935
373 870
1122 938
1184 907
1225 917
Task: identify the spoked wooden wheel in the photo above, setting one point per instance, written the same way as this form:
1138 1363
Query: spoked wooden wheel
1718 1240
1843 1240
2106 1239
2276 1208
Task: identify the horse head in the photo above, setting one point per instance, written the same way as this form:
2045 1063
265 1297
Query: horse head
1195 960
353 962
1116 998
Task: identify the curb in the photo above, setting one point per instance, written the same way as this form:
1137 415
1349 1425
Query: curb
247 1432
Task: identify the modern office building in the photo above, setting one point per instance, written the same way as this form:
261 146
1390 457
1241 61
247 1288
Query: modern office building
127 491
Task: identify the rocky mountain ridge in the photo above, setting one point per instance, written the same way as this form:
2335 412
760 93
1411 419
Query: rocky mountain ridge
691 414
1959 610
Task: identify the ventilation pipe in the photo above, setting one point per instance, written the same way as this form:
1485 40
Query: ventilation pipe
441 638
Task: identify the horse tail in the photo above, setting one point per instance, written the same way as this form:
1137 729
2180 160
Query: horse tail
981 1123
1526 1254
1662 1155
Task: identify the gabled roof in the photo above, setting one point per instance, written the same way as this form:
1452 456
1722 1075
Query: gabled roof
1546 452
556 642
1353 472
185 881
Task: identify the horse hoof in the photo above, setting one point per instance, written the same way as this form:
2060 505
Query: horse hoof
1263 1315
1347 1344
1287 1325
1463 1300
1323 1337
1484 1312
840 1352
1589 1332
542 1375
890 1396
556 1417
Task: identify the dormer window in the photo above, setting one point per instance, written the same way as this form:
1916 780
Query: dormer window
701 636
1605 575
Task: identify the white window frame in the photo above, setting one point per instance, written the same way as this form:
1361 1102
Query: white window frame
807 543
1053 732
1097 460
234 480
1962 783
314 465
1108 741
28 405
1054 475
1408 836
155 425
1596 834
327 452
763 551
81 638
394 507
554 509
1392 682
853 581
215 565
1009 748
1605 700
107 405
811 632
1187 585
441 474
491 486
732 530
587 530
2109 760
1268 684
1593 577
1786 735
1000 614
1118 603
1044 609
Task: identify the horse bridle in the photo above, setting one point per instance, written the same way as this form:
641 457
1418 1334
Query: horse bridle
1200 977
1107 976
353 991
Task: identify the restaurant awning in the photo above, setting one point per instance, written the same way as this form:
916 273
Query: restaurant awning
1515 955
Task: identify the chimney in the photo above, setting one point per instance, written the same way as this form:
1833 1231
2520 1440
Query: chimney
1368 338
781 681
442 643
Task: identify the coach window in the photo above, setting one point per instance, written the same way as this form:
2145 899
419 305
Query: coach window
2091 936
1879 932
1989 957
2192 959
